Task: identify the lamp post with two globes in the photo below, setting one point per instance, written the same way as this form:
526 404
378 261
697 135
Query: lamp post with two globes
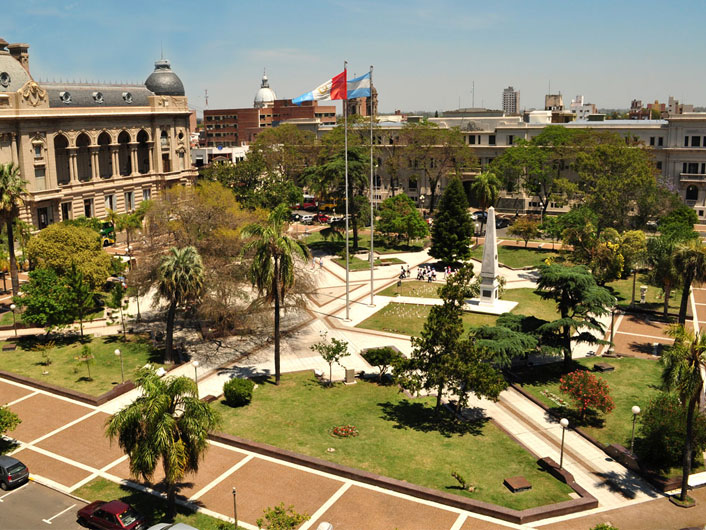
564 425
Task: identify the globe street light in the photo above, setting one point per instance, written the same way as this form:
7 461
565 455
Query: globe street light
14 322
635 411
122 371
195 364
564 424
235 510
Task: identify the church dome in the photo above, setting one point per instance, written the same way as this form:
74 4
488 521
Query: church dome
265 97
164 82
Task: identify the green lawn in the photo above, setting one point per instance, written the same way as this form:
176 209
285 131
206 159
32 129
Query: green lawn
66 371
317 242
408 319
415 288
518 257
622 290
633 382
399 438
151 506
357 264
6 318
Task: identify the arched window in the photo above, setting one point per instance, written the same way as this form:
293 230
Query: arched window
124 162
143 152
61 157
83 157
105 162
692 193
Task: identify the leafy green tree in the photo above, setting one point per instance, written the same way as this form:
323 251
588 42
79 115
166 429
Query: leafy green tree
537 166
525 228
60 245
281 517
579 301
45 301
679 223
8 420
180 282
331 352
683 362
399 215
116 300
633 248
80 296
167 423
552 228
690 261
384 358
272 270
663 270
12 189
485 189
606 262
578 229
86 358
504 343
452 229
474 371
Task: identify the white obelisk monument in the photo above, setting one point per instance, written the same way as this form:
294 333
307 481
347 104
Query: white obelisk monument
489 301
489 268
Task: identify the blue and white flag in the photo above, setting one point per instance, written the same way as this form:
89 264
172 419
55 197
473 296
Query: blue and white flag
359 87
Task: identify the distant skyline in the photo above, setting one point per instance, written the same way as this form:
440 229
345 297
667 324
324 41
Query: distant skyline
426 55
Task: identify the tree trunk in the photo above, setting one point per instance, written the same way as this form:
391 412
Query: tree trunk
566 332
13 261
684 298
276 300
168 353
438 397
330 374
667 292
432 195
686 460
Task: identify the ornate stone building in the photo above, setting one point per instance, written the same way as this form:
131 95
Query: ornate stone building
87 148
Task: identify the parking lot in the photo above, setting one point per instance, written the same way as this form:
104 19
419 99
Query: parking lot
34 506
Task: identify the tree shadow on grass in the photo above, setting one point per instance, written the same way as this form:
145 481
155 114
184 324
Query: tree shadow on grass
152 507
420 417
546 374
591 418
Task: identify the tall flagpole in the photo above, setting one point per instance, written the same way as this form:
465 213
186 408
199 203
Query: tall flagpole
372 209
345 148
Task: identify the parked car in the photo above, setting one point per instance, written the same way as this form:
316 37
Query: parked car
294 216
501 222
112 515
307 219
477 216
172 526
321 218
12 472
327 206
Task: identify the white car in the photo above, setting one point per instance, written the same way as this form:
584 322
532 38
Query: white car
307 219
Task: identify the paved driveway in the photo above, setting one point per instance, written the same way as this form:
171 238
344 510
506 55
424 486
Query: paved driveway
34 506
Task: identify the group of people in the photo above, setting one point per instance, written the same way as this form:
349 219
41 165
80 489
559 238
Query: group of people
426 273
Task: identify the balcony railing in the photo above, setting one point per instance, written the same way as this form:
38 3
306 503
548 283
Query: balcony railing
692 177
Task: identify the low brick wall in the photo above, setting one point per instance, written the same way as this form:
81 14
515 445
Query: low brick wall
114 392
586 502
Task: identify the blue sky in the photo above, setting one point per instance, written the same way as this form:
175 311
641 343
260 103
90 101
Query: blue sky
426 53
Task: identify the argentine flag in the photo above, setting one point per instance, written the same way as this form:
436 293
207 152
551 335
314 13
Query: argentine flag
359 87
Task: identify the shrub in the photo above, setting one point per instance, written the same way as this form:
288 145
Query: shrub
660 439
238 392
604 526
382 358
587 391
281 518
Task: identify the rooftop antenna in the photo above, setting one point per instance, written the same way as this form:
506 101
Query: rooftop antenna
473 94
161 50
206 91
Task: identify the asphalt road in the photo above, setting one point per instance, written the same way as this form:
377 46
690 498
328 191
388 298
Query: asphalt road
33 507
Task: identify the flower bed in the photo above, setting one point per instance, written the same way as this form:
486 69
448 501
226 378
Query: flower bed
344 431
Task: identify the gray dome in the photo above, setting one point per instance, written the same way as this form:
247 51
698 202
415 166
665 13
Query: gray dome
13 76
163 81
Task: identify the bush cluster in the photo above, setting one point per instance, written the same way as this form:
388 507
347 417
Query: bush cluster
238 392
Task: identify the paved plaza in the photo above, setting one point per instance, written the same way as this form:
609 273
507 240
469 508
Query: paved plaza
63 441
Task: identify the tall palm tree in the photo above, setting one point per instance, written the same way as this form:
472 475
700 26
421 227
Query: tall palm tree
663 272
180 281
12 187
485 189
682 373
167 423
690 261
272 268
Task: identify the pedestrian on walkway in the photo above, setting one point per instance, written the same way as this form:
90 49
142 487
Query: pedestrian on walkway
321 263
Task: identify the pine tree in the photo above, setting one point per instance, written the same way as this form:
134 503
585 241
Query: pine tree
452 229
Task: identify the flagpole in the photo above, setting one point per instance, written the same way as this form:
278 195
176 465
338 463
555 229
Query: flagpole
345 148
372 209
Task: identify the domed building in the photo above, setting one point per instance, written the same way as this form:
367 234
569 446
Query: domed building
96 146
265 96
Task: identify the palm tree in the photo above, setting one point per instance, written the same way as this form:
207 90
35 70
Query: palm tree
690 261
682 373
180 281
485 189
12 188
663 272
167 422
272 268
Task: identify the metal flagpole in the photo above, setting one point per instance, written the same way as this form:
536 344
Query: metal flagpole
345 149
372 209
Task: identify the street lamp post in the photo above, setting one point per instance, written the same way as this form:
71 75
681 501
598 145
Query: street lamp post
122 371
195 364
635 412
611 348
564 424
14 321
235 510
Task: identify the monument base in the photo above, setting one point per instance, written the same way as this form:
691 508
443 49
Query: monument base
499 307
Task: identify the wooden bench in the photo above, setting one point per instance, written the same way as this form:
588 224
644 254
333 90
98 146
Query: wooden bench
517 484
603 367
